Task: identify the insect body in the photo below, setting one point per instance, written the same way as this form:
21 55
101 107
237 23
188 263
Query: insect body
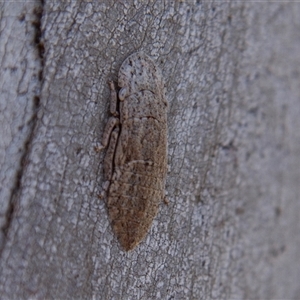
135 164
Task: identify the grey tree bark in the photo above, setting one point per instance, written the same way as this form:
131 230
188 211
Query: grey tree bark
231 229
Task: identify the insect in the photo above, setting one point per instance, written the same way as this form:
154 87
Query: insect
135 163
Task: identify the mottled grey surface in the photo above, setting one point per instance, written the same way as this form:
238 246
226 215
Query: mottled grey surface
19 95
231 229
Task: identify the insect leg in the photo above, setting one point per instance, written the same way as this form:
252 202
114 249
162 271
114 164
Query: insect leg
113 99
110 125
110 153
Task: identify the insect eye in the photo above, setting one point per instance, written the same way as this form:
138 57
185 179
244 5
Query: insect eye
122 93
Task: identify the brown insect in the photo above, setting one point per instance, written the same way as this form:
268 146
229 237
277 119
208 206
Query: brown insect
135 164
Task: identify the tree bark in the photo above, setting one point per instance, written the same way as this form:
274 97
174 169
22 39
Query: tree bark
231 228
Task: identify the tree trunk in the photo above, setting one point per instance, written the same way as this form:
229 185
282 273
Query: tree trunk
231 228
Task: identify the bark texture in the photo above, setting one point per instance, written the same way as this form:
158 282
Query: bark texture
231 229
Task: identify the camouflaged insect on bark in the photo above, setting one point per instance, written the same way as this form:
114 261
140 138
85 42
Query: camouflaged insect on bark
135 164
